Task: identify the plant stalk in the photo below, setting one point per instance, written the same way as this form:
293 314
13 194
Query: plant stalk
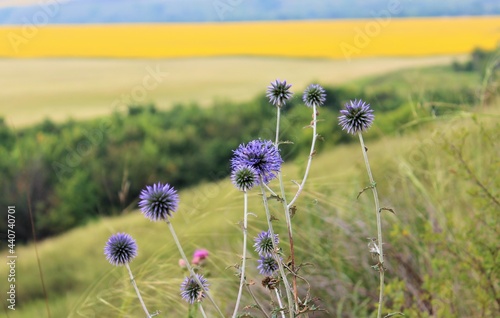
277 258
244 256
137 290
379 227
287 218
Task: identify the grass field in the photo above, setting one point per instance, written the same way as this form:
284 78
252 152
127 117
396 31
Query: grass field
433 206
439 263
441 245
34 89
382 36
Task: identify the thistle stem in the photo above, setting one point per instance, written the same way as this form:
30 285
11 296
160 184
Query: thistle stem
277 258
279 302
288 220
137 290
244 256
309 161
202 311
256 301
379 227
278 116
190 268
270 190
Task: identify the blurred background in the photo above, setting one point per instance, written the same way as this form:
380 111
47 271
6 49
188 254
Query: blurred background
100 98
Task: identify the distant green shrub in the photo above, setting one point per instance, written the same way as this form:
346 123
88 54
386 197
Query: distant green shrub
108 160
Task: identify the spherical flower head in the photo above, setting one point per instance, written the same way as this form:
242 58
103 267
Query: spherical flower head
191 291
356 117
314 95
261 155
120 249
158 201
244 178
263 243
279 93
267 265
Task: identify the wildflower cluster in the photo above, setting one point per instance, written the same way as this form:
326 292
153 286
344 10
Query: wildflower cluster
158 203
264 246
260 155
255 163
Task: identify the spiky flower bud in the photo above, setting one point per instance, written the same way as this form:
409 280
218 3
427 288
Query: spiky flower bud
279 93
356 117
244 177
191 291
120 249
158 201
267 265
314 95
263 243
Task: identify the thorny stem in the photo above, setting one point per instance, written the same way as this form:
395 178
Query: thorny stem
132 280
244 256
311 155
287 219
277 258
379 227
190 268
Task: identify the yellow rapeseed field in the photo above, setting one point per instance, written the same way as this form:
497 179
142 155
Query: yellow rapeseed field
326 39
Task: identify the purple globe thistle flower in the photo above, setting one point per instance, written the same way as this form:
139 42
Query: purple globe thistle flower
356 117
244 177
267 265
314 95
158 201
263 243
278 93
191 291
120 249
261 155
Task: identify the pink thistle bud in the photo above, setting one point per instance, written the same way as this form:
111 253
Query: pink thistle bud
196 260
201 254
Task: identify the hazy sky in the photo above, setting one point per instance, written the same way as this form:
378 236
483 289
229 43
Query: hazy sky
17 12
17 3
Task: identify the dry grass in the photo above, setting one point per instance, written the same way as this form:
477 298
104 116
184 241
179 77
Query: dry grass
34 89
330 229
